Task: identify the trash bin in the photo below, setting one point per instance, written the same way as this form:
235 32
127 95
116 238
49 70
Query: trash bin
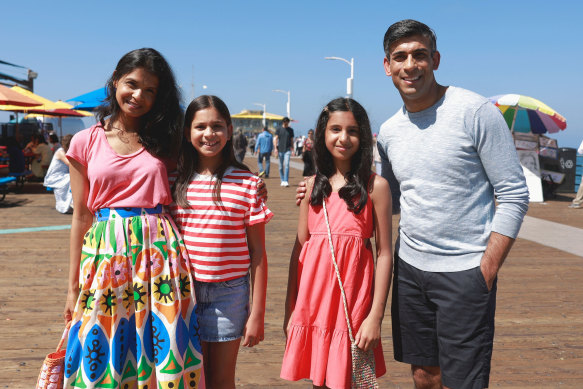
568 166
578 172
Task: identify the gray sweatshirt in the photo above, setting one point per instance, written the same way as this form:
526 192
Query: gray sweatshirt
452 161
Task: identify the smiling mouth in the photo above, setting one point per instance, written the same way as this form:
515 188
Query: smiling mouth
210 144
411 79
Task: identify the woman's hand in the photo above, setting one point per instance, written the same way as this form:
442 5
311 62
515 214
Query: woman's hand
70 306
369 334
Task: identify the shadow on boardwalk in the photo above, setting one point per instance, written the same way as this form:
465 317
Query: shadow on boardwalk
539 322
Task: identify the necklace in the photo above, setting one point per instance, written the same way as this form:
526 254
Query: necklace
124 131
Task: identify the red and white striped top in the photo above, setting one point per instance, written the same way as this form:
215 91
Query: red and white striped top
215 237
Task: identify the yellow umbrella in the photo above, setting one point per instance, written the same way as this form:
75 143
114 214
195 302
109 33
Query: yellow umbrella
245 114
46 107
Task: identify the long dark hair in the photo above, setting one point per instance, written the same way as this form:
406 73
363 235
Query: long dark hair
355 191
188 156
160 128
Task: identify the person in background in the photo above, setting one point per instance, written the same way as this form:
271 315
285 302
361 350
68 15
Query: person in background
16 160
58 178
308 155
42 156
252 143
578 200
240 145
283 144
54 142
263 149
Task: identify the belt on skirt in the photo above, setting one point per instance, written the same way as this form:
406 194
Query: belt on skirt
104 214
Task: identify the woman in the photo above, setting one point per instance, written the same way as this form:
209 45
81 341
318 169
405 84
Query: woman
58 178
307 156
42 156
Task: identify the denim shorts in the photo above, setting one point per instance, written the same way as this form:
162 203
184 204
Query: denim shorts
222 309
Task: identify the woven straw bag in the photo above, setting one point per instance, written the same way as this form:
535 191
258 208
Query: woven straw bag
52 373
363 364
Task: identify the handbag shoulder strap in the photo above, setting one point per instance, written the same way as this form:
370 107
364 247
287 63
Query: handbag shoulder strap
337 272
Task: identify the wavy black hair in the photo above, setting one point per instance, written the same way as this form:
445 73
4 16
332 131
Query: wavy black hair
355 191
160 128
188 156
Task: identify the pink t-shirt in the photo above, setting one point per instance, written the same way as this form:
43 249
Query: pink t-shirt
134 180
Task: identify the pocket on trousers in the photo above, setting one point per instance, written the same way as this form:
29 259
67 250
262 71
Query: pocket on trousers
236 282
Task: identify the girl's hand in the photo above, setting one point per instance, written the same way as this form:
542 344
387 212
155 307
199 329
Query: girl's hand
253 332
287 324
261 190
300 192
70 306
369 334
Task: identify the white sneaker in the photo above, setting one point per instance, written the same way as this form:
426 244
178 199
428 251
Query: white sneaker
285 183
281 184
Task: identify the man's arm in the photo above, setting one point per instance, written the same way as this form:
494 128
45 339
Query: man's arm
498 248
500 161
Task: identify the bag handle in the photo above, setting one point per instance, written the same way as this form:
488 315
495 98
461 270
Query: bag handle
64 336
337 272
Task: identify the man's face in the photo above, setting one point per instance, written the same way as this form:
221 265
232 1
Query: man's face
285 124
411 64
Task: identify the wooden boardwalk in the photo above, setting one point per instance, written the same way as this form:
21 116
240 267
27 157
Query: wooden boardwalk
539 321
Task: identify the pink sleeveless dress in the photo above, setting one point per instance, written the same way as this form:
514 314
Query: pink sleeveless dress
318 345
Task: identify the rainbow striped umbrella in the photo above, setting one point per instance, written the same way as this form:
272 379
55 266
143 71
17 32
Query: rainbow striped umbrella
525 114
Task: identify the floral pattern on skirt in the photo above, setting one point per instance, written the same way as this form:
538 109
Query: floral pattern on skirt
134 324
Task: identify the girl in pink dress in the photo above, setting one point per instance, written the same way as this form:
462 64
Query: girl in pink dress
359 204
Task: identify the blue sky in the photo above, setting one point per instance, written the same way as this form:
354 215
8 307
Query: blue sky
242 50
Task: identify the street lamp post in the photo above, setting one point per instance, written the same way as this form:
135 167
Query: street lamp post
349 81
288 105
264 109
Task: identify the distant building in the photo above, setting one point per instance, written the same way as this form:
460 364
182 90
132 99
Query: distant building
251 122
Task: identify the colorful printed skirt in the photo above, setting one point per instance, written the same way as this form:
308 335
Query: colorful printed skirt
134 324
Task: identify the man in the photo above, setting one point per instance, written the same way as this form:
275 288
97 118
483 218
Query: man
453 156
263 149
240 145
283 143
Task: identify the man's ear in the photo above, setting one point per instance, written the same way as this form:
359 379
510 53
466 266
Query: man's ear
436 56
386 65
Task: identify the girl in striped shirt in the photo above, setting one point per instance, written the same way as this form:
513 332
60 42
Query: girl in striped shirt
222 219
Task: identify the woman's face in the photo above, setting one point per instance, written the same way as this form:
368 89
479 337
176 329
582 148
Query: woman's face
136 92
